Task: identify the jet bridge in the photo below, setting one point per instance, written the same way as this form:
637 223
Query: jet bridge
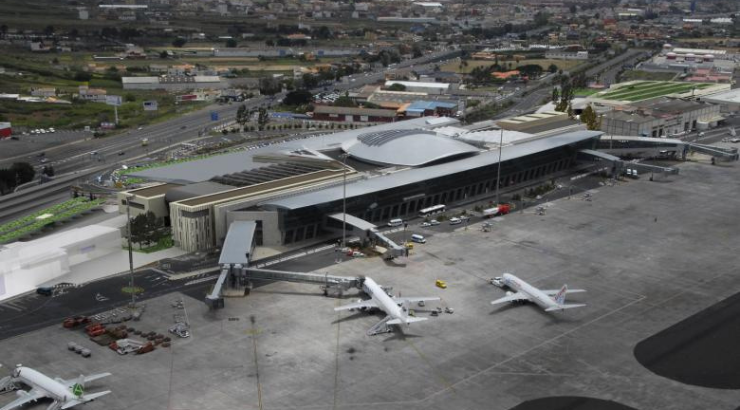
618 164
235 254
720 153
236 276
365 231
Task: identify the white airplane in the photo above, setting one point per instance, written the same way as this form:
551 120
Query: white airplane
549 300
64 393
396 308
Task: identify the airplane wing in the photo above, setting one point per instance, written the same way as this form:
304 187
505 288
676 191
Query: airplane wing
402 300
563 307
84 399
409 320
84 379
553 292
511 298
358 305
25 397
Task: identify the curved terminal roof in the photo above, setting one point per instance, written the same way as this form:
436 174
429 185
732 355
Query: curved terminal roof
410 147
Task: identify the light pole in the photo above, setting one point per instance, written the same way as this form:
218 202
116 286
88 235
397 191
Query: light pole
498 173
130 248
344 201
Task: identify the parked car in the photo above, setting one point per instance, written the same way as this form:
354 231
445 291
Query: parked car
434 222
455 221
45 290
181 330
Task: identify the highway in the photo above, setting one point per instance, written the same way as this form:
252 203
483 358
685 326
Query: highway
76 161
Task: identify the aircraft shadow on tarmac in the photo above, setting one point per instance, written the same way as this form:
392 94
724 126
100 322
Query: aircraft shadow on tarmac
554 317
570 403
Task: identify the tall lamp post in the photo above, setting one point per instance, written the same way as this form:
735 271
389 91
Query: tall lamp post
344 201
130 248
498 173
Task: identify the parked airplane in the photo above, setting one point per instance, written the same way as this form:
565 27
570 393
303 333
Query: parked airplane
549 300
396 308
64 393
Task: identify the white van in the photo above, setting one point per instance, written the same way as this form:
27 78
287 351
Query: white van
455 221
418 238
395 222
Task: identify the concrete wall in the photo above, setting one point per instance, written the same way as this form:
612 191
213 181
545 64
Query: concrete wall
141 205
192 229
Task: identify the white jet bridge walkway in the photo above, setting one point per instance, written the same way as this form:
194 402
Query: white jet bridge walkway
618 164
236 276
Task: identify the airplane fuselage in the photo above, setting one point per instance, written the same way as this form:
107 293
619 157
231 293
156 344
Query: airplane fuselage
53 388
535 295
382 299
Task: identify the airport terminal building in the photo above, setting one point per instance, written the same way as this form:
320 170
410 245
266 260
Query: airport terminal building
391 171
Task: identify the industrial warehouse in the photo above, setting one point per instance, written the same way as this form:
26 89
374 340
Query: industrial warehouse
376 173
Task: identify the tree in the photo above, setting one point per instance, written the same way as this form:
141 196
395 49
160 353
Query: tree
310 81
49 30
298 97
82 76
129 97
344 101
269 86
262 119
397 87
23 171
231 43
163 54
7 181
179 42
48 170
555 95
242 115
589 117
416 51
552 68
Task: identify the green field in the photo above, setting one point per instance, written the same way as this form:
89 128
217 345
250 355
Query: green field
633 75
564 65
37 221
649 89
40 71
584 92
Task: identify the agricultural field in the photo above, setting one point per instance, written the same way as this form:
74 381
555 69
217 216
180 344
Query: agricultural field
565 65
644 90
59 71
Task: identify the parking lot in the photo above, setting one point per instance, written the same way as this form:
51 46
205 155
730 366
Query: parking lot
649 255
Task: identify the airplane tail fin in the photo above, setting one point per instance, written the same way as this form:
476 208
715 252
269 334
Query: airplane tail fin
560 296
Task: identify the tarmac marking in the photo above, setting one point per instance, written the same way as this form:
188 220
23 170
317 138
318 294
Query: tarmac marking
201 280
426 360
12 306
524 353
255 332
336 362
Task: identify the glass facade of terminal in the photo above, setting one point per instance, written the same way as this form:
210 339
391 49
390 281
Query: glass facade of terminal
405 201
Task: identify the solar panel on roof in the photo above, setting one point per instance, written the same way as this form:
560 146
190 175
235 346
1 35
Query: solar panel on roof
382 137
